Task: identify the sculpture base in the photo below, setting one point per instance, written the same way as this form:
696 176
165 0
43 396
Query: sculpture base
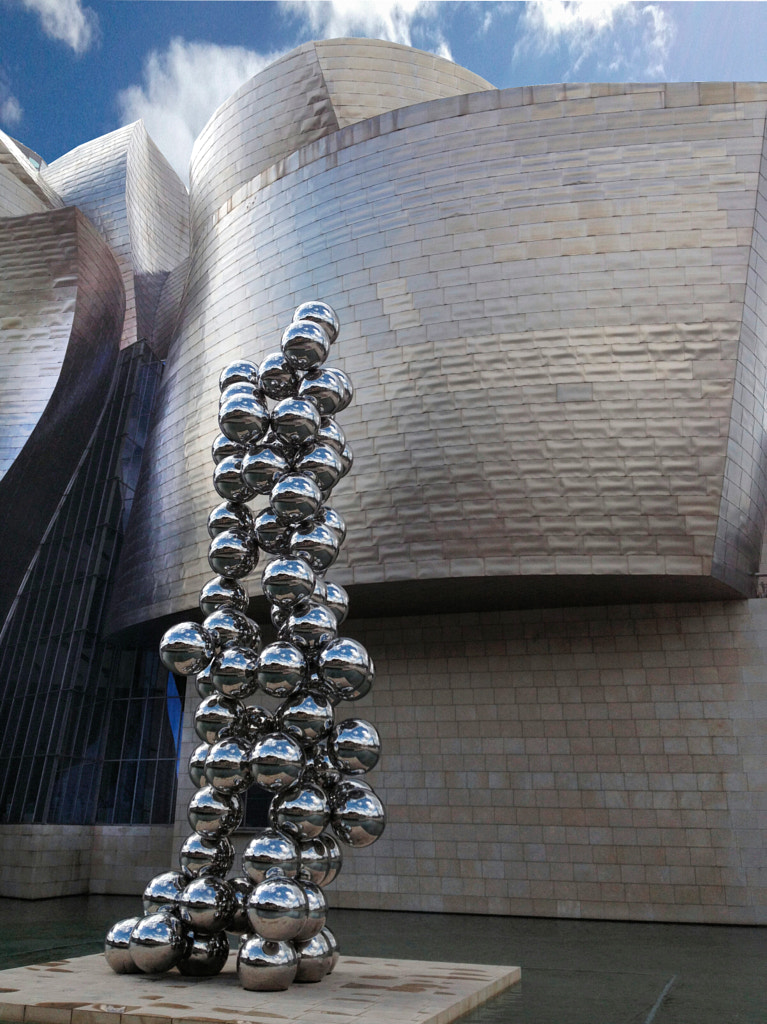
361 990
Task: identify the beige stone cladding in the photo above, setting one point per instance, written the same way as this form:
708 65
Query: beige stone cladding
552 310
602 763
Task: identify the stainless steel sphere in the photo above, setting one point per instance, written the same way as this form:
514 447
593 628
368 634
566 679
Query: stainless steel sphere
227 766
317 912
278 378
237 372
233 553
223 591
214 715
230 515
228 482
312 628
203 684
276 762
347 458
265 966
357 815
315 959
206 956
227 625
157 943
330 433
325 388
271 534
305 344
335 858
323 464
334 521
346 667
213 814
278 908
233 671
294 498
306 716
262 467
186 648
197 761
270 849
334 947
320 769
253 723
295 421
316 544
223 448
243 418
201 856
207 905
319 313
337 600
354 746
281 669
240 388
315 859
287 582
116 946
302 811
242 889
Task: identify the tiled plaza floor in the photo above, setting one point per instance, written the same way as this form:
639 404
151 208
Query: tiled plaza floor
573 972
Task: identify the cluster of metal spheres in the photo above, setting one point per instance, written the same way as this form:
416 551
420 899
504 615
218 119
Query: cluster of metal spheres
293 748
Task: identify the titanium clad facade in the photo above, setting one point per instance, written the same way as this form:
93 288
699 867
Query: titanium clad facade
22 187
552 313
125 186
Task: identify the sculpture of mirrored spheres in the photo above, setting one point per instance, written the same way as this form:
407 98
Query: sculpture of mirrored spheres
277 438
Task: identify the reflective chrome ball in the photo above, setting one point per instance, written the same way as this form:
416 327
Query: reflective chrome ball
294 498
317 913
262 467
242 418
295 421
157 943
305 344
272 535
331 434
227 766
357 815
276 762
278 908
301 811
315 959
237 372
186 648
207 905
242 889
116 946
222 591
281 668
337 600
347 668
354 746
228 482
227 625
253 723
323 464
197 764
334 948
206 956
325 388
319 313
316 544
312 628
278 378
201 856
232 553
223 448
270 849
230 515
214 715
233 671
288 581
306 716
334 521
265 966
214 814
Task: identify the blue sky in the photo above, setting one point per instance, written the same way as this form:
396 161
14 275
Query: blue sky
71 70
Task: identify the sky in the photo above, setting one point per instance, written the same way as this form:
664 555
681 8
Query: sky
71 70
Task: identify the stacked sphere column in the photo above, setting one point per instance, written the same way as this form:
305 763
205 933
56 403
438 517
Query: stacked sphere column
279 437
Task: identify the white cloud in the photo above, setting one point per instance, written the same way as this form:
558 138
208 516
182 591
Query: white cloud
621 35
182 86
67 21
10 108
411 22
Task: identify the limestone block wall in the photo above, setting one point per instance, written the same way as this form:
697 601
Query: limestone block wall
596 763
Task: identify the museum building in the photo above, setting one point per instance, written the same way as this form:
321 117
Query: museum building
552 303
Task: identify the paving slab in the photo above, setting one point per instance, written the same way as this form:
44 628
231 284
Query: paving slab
361 990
